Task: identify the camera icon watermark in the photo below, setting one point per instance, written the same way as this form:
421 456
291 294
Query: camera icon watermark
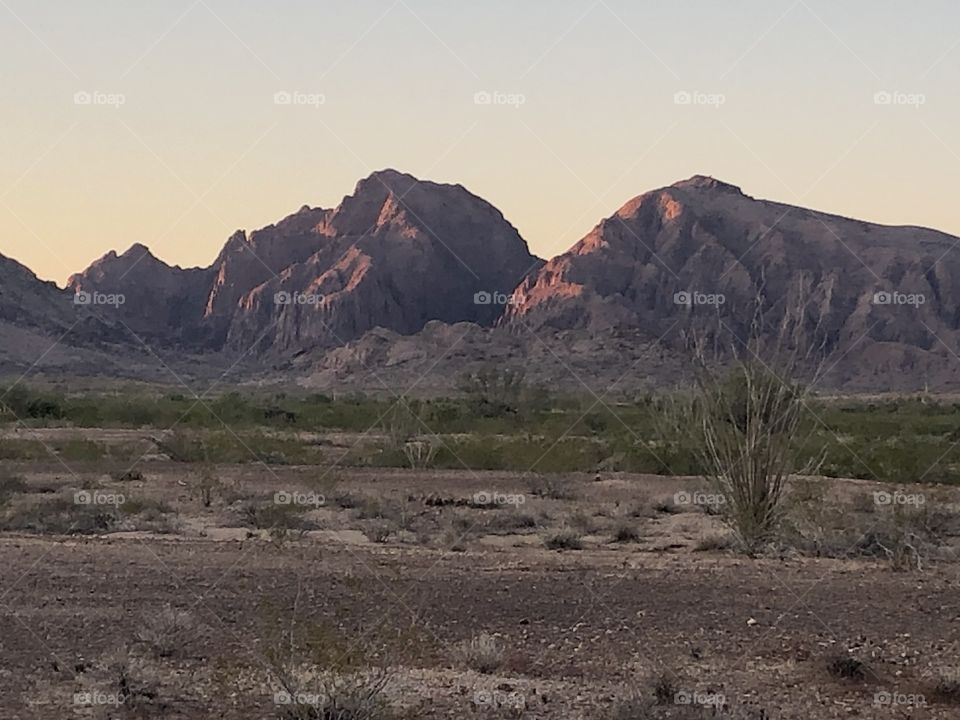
695 97
692 298
87 97
294 497
90 698
703 699
303 99
498 699
882 498
495 297
282 697
498 498
297 298
699 498
885 698
894 297
495 97
895 97
98 497
84 297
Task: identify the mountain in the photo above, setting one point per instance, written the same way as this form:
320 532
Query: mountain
699 254
406 277
160 302
397 253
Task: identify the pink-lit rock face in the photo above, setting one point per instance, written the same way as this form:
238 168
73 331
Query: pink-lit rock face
396 253
704 236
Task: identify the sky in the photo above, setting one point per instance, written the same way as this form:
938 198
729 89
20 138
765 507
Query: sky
174 123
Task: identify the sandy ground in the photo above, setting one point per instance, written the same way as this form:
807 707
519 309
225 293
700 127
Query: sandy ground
580 629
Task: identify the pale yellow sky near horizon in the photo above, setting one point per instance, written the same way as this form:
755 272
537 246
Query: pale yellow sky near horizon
174 124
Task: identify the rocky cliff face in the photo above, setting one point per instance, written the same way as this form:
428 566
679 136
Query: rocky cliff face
28 302
160 302
684 255
396 254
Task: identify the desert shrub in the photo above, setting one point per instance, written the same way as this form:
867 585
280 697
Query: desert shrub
10 487
714 543
420 453
484 654
143 504
582 522
130 475
80 450
665 687
493 391
509 521
317 674
22 449
59 516
946 685
128 673
379 531
270 516
667 507
207 485
554 489
748 421
632 705
564 539
626 532
167 632
148 514
844 667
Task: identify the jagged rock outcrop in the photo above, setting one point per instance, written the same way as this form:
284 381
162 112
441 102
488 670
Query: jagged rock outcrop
681 256
397 253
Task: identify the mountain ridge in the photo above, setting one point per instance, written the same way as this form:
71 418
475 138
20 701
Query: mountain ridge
399 255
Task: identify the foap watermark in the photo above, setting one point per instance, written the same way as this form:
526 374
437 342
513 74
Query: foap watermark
495 699
690 298
695 97
84 297
704 699
493 298
282 697
297 298
698 497
95 97
496 97
498 498
883 498
302 99
895 97
98 697
98 497
885 698
295 497
895 297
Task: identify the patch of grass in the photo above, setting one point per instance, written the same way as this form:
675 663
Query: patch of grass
10 487
564 539
626 532
665 687
166 633
667 507
554 490
714 543
844 667
59 516
946 685
271 516
484 654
